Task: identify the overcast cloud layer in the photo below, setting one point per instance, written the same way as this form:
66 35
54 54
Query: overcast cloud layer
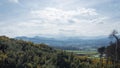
59 17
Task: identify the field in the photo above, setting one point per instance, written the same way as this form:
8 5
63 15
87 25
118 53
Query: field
84 53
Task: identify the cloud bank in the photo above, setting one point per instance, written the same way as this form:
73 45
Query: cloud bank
51 20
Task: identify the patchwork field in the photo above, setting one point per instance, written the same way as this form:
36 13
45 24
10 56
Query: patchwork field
84 53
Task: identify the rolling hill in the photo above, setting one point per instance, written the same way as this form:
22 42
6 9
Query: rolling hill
21 54
70 42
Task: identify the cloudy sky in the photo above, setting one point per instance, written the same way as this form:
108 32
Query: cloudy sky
59 17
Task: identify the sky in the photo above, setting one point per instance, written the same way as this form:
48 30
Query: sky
56 18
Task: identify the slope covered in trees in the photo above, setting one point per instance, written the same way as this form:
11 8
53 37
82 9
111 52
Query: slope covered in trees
21 54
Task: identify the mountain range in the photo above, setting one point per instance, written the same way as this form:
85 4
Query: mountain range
70 42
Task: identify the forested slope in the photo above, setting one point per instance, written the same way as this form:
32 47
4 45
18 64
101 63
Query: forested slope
21 54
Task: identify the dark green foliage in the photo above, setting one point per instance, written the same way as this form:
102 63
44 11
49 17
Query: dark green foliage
101 50
110 51
21 54
113 50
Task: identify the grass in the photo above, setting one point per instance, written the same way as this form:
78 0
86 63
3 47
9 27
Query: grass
84 53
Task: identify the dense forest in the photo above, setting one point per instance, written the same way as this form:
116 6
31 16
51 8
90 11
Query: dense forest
22 54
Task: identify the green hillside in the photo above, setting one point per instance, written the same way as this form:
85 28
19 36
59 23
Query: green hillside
21 54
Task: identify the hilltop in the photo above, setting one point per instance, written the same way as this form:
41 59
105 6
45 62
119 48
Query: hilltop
21 54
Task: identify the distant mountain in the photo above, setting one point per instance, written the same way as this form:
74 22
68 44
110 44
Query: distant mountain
70 42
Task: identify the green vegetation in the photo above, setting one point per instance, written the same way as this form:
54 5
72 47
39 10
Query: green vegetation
83 52
111 52
21 54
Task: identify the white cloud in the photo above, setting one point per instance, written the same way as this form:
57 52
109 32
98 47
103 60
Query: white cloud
79 22
14 1
77 29
58 17
55 14
61 22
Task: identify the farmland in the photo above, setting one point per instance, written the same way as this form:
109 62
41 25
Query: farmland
84 53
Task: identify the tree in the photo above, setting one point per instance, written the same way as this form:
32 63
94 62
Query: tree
101 50
3 47
114 35
112 50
